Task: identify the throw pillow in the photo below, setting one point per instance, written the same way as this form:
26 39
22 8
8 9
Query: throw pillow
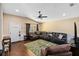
60 36
50 35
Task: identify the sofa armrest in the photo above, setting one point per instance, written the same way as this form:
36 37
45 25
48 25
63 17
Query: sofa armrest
43 52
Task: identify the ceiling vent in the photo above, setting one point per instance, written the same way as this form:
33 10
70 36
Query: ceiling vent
71 4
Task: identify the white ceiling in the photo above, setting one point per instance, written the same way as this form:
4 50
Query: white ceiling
52 10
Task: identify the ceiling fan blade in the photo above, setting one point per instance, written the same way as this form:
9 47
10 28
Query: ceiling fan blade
44 16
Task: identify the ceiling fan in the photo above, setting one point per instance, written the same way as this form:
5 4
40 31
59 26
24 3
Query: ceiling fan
41 15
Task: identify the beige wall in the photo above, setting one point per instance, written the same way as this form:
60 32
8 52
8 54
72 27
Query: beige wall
1 22
65 26
7 18
1 19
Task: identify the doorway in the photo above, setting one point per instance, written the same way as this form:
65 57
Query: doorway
14 30
27 28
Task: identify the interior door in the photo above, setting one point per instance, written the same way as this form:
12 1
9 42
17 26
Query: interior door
27 28
14 30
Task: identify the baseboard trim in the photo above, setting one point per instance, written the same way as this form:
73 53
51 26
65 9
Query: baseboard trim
17 41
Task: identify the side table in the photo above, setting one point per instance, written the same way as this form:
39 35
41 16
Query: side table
0 52
75 51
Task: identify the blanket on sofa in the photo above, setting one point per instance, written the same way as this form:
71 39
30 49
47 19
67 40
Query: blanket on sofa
37 45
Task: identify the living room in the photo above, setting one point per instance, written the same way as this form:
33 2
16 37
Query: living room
43 25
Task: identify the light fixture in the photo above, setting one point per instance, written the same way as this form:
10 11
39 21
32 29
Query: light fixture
64 14
17 10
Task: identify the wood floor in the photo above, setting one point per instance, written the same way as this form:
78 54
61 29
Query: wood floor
18 49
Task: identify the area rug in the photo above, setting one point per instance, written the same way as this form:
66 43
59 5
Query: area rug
37 45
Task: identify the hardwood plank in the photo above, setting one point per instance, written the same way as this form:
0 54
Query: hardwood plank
18 49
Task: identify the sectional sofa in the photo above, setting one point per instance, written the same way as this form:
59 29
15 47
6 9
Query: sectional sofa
55 37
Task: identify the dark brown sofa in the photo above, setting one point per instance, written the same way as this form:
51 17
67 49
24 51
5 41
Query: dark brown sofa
59 50
55 37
